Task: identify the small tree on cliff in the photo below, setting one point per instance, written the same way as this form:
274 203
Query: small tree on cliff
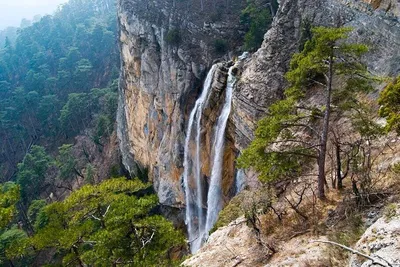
109 224
390 105
295 133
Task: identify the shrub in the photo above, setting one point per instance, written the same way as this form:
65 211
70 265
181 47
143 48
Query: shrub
349 231
220 46
173 37
246 203
257 20
396 168
390 108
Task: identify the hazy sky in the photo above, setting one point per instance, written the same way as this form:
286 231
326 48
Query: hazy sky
12 11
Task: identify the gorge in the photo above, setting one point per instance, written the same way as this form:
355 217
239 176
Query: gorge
140 133
167 122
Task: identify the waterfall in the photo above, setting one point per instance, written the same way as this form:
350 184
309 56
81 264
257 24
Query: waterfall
198 223
240 180
214 199
194 198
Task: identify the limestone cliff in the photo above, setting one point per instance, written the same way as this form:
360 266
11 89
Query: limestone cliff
263 76
166 48
376 23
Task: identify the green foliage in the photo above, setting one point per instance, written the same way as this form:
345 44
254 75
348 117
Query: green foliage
257 19
9 196
106 100
349 233
13 243
305 33
66 162
173 37
389 100
35 212
220 46
276 163
363 123
287 140
100 225
32 172
75 112
247 203
115 171
90 174
396 168
306 66
51 65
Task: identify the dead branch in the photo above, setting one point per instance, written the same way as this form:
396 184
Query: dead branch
374 260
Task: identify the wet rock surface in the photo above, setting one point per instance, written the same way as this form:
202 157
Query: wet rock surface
166 49
162 73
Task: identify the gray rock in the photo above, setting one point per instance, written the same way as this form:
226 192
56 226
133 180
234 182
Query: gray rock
263 80
380 241
161 76
161 80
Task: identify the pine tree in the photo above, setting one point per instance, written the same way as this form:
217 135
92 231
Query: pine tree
390 105
108 224
295 133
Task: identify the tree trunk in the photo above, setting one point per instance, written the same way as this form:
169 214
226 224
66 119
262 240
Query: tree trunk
339 168
75 250
324 136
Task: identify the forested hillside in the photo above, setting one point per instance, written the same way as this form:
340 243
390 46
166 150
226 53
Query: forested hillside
50 70
58 103
266 131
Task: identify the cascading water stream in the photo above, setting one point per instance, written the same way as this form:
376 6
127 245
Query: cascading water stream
194 198
214 199
199 225
240 180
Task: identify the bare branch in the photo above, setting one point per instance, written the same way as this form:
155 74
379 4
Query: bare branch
105 213
374 261
96 218
145 242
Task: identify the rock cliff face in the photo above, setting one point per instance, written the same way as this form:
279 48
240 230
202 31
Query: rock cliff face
263 80
376 23
380 241
166 48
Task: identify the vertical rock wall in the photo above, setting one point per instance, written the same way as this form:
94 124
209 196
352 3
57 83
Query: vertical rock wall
162 73
166 48
262 81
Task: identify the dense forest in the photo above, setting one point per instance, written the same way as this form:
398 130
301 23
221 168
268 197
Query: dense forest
52 66
310 136
58 81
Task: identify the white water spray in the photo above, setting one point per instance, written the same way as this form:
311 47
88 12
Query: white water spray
198 224
214 199
240 181
192 171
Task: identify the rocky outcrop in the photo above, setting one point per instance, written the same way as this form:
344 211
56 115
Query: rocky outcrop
262 82
236 245
232 245
381 241
263 79
166 48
